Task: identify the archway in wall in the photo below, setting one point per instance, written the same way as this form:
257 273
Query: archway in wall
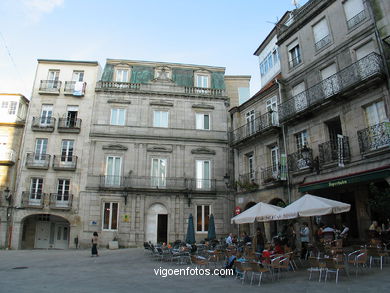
277 226
45 231
156 224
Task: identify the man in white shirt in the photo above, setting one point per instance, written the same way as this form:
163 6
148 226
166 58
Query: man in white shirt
229 239
345 231
304 233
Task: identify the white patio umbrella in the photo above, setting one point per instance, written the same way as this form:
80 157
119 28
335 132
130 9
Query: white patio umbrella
310 205
261 212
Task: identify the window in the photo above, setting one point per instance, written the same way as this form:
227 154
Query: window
354 12
321 34
294 54
46 114
272 107
202 80
301 140
118 116
113 171
330 81
202 218
275 161
203 174
71 116
40 149
275 56
4 104
110 216
78 76
375 113
36 190
53 77
202 121
159 172
364 50
67 150
251 169
122 75
250 122
12 108
299 94
160 118
268 62
63 190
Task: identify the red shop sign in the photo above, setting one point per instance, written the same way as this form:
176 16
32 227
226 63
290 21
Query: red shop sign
237 211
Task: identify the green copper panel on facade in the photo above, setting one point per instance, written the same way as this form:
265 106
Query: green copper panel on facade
108 72
183 77
141 74
217 80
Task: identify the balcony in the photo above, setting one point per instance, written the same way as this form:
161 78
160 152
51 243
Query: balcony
260 125
72 125
64 163
37 161
33 200
204 91
45 124
358 18
248 181
113 182
61 201
75 88
347 79
322 43
270 174
50 87
115 85
7 157
150 182
374 138
297 162
202 185
334 151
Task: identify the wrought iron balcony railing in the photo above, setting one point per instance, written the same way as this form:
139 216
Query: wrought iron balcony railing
346 78
7 156
204 91
50 86
270 174
201 184
358 18
297 162
106 85
322 43
61 201
334 150
65 163
70 88
111 181
177 183
37 161
258 125
33 199
46 124
69 125
248 181
374 137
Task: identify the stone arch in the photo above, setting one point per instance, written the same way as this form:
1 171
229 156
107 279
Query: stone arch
247 227
156 223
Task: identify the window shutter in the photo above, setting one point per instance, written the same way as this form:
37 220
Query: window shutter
320 30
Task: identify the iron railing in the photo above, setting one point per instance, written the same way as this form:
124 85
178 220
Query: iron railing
363 69
270 174
258 125
69 88
69 125
374 137
204 91
66 163
112 181
358 18
334 150
177 183
296 161
33 199
61 201
52 86
117 85
43 124
322 43
37 161
201 184
248 181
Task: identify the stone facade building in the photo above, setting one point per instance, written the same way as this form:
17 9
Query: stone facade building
13 111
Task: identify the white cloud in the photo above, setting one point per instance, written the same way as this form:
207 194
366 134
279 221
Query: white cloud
36 8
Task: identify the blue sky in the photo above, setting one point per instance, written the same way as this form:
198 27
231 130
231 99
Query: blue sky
209 32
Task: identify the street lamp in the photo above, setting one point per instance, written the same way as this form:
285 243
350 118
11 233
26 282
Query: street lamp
226 180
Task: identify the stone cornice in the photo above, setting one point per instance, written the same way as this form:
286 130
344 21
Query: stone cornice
115 147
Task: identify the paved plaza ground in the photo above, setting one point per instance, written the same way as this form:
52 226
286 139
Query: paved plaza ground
130 270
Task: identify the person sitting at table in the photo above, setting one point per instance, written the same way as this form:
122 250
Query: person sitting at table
246 238
229 239
278 248
234 239
344 232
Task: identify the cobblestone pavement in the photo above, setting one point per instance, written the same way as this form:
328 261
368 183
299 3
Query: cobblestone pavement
130 270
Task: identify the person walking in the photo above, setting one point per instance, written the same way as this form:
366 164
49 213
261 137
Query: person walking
304 240
95 240
259 241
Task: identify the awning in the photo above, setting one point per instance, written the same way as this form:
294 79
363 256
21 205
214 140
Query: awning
368 175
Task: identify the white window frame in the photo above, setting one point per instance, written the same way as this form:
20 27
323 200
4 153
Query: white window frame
200 121
62 197
158 118
111 203
202 80
251 166
275 161
301 139
78 75
110 180
40 150
158 181
203 217
201 181
46 115
67 147
250 121
36 199
294 54
272 106
120 75
115 116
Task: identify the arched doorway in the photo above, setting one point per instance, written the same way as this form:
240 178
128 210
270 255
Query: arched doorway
45 231
156 224
276 226
247 227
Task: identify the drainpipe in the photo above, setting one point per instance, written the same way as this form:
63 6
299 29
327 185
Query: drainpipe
284 143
